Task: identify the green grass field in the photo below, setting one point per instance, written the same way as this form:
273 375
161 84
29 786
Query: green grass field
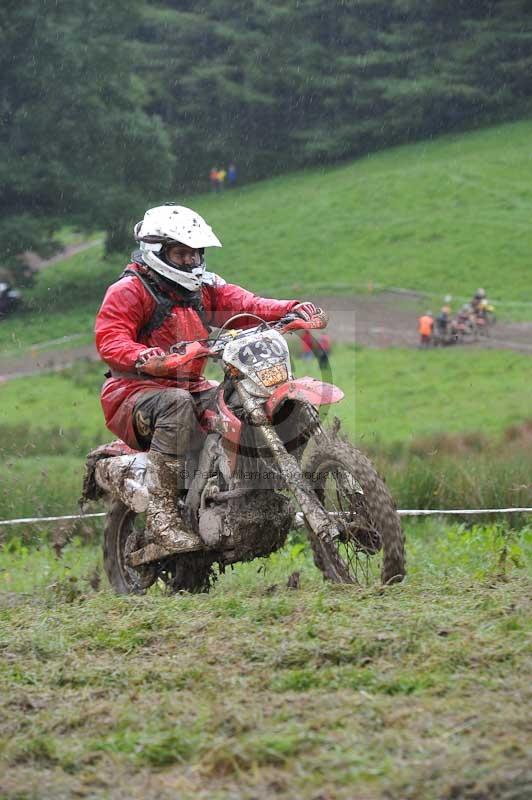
431 409
438 217
259 691
390 396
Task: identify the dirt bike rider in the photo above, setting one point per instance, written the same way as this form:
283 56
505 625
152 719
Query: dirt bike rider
478 302
166 296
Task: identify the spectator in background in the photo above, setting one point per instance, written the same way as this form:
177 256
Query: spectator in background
231 175
443 320
324 349
307 345
221 178
213 177
425 328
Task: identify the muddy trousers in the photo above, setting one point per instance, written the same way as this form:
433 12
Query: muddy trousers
167 422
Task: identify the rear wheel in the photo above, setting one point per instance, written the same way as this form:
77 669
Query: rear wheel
124 533
371 545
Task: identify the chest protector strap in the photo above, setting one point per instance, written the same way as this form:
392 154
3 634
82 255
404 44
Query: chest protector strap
164 304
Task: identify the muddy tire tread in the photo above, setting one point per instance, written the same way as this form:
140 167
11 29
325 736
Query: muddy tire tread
379 501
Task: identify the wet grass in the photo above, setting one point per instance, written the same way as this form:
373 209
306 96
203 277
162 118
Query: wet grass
257 690
398 395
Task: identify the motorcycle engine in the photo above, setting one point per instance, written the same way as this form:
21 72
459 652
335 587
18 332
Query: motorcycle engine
248 527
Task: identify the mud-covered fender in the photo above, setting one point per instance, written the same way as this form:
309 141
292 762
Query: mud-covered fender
308 390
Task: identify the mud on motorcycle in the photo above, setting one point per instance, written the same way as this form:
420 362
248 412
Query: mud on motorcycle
266 464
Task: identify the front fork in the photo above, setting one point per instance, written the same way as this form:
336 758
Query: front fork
315 515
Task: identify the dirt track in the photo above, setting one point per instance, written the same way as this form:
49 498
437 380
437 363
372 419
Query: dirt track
387 319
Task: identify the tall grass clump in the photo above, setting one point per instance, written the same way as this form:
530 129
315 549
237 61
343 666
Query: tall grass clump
39 486
470 471
473 482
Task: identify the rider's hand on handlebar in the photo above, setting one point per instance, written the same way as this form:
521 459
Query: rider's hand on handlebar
145 355
306 310
294 320
161 366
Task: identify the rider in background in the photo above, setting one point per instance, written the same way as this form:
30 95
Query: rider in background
478 301
464 322
307 345
166 296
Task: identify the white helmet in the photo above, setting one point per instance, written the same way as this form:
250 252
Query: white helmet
168 225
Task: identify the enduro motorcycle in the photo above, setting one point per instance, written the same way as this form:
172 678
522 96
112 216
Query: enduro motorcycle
266 465
486 318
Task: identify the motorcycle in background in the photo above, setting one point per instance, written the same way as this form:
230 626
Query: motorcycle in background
10 299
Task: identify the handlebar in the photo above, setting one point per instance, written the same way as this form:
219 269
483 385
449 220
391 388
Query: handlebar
287 324
183 352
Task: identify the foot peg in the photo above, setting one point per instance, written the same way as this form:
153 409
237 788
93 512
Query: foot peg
157 552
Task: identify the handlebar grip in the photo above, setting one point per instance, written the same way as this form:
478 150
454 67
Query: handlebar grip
161 366
318 321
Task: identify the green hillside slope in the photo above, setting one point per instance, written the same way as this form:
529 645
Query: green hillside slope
442 216
439 217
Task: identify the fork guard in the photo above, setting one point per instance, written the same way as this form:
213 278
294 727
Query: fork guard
307 390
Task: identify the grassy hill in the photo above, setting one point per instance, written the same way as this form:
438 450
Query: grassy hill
391 396
444 216
438 217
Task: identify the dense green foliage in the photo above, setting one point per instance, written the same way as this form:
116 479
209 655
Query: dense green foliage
287 83
104 110
75 142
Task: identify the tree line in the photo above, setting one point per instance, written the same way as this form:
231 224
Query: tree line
103 106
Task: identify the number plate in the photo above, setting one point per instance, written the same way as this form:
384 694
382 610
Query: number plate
273 375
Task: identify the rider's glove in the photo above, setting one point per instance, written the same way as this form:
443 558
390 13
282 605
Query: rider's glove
168 366
145 355
305 310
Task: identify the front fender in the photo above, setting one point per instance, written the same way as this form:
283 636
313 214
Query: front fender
307 390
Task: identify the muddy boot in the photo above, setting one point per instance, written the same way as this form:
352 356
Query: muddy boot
124 477
165 479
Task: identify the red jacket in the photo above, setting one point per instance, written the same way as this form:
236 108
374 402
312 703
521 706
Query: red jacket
126 309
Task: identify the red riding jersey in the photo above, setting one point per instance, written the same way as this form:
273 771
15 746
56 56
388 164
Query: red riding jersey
128 306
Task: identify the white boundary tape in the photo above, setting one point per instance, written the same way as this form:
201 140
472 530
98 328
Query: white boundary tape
403 512
49 519
425 512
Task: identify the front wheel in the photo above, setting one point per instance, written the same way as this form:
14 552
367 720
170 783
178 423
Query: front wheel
363 510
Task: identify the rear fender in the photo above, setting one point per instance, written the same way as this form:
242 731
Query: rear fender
304 390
